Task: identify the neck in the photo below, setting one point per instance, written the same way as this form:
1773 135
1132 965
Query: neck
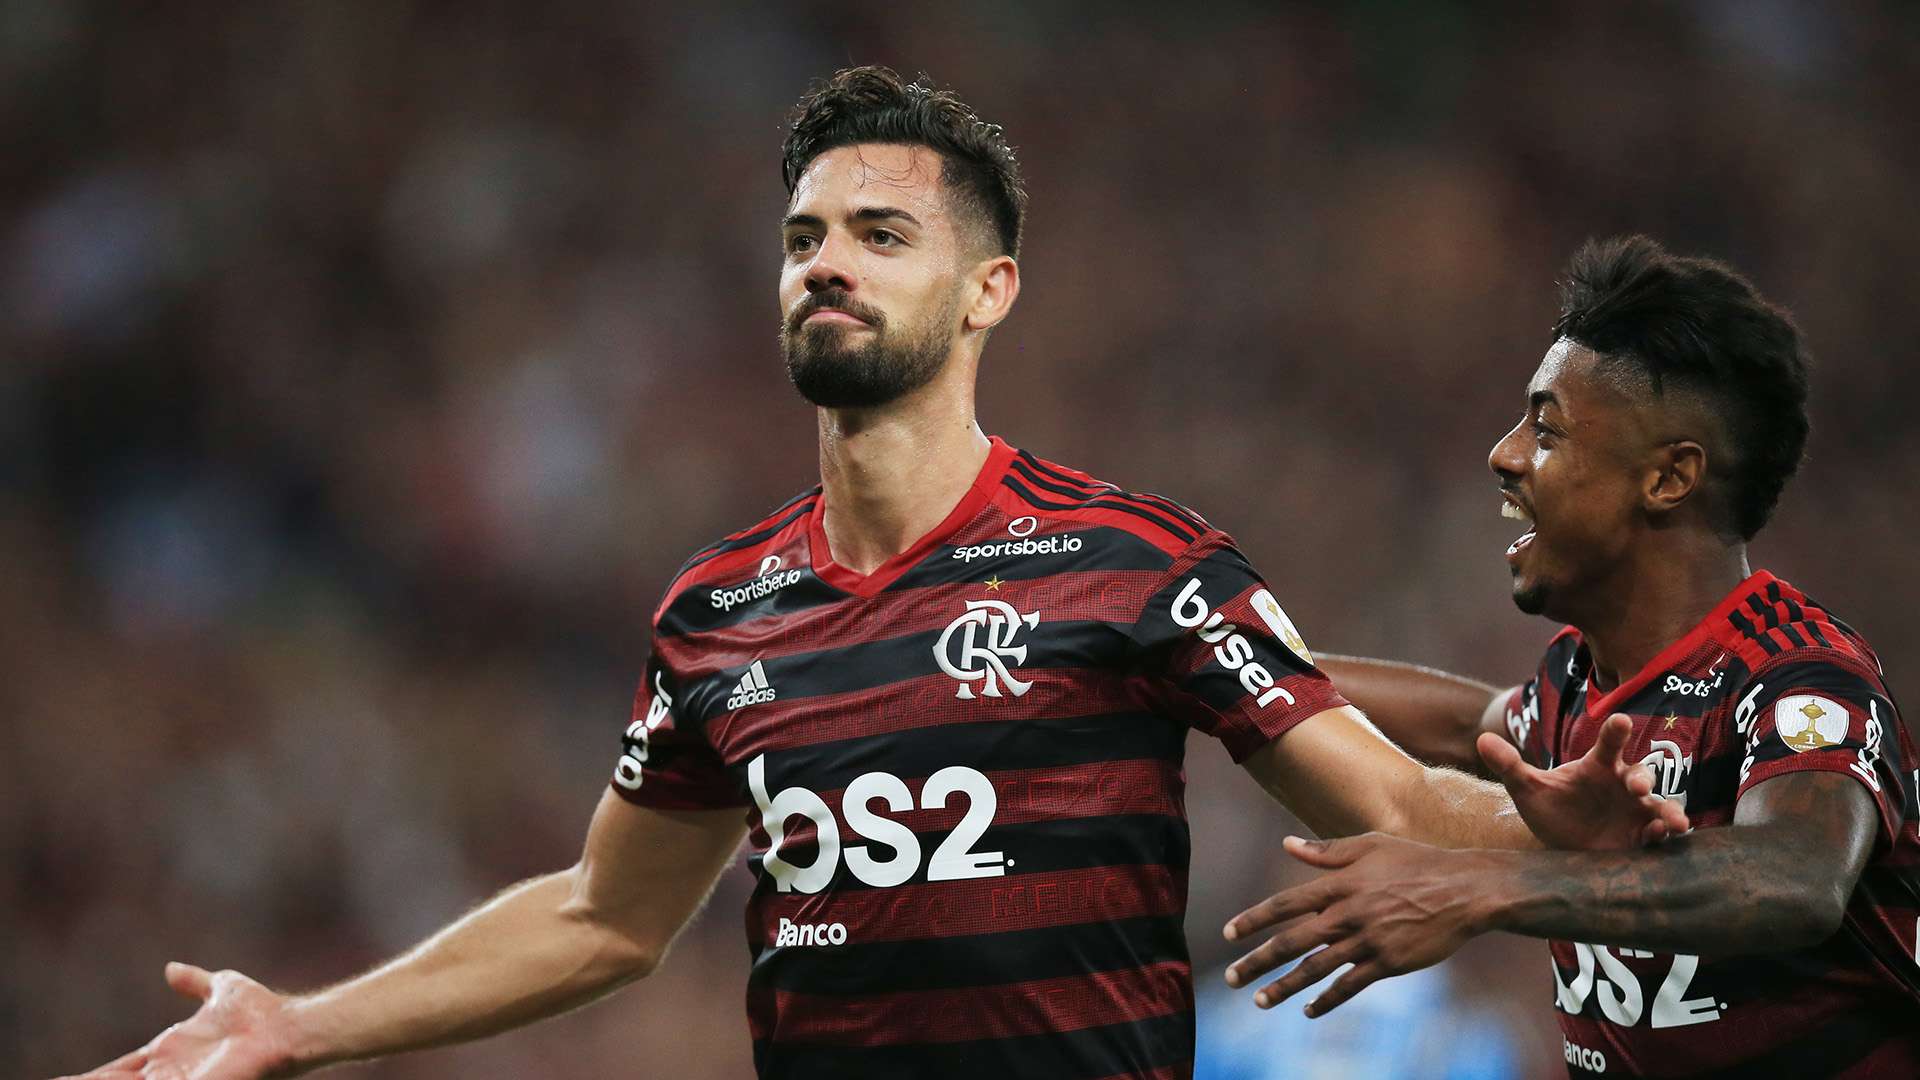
892 473
1656 600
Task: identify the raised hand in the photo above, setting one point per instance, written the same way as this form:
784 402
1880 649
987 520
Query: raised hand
240 1032
1387 906
1599 802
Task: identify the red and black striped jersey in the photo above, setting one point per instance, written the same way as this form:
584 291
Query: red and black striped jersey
1769 683
964 771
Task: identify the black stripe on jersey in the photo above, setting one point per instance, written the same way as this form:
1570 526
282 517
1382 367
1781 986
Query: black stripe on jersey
1104 548
1843 1040
1047 952
843 669
1814 629
1794 612
693 612
1117 1049
1165 524
1741 624
714 551
1794 636
1027 744
1036 847
1766 612
1148 497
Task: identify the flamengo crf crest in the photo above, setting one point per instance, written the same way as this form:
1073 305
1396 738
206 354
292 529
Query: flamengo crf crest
978 645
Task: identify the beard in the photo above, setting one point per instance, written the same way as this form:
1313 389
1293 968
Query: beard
832 373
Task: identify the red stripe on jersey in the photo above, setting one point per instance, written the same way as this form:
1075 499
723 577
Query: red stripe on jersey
1094 595
1061 793
948 909
930 701
966 1014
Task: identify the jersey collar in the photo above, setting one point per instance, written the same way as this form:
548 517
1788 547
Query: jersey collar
1711 628
999 454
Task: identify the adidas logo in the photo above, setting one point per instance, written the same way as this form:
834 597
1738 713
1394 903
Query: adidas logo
753 688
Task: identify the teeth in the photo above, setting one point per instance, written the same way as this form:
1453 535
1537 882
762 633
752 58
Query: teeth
1510 510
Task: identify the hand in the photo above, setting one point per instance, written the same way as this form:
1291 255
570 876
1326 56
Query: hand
1388 907
1597 803
241 1032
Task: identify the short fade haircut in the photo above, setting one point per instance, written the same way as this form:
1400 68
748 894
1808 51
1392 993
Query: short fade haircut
1700 326
874 105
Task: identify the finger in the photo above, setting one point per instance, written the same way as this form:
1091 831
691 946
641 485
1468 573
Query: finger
1668 813
1307 972
1653 832
1326 854
189 981
1278 908
1639 780
1612 742
1503 760
1358 978
1296 940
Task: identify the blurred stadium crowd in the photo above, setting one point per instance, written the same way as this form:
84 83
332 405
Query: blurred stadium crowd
369 367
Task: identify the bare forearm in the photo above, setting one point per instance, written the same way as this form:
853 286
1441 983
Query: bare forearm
1433 714
531 952
1448 808
1727 890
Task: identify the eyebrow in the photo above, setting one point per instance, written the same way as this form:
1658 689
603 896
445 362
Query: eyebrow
1539 398
865 213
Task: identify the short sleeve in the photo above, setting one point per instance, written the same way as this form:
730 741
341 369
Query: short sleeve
665 765
1822 715
1224 653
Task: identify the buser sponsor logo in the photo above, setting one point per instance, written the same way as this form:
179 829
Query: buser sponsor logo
765 585
794 934
1231 648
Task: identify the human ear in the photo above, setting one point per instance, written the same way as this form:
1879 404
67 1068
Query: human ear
996 285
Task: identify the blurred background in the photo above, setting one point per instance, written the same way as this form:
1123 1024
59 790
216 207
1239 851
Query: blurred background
365 369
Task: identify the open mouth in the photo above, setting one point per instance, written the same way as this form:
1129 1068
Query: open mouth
1511 507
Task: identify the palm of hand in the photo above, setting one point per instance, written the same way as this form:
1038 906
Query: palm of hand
235 1034
1597 802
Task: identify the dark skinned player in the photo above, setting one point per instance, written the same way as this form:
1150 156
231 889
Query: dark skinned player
1777 938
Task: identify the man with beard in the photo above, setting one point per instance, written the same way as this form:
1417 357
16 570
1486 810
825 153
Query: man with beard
945 694
1778 938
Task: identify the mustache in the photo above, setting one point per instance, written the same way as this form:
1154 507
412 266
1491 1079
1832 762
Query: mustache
833 300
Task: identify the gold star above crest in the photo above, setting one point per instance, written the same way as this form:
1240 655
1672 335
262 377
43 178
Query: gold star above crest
1672 719
993 583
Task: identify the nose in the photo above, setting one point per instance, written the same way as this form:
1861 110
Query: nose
1508 459
832 266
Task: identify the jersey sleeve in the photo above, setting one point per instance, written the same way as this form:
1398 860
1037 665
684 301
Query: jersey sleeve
1223 654
1532 709
1809 713
664 764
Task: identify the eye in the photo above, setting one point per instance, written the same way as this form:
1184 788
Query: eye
799 243
883 237
1541 432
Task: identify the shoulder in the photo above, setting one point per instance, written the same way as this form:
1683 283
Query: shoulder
1784 637
1062 494
745 550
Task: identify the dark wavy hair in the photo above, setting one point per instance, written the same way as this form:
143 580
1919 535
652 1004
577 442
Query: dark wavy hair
1697 324
874 105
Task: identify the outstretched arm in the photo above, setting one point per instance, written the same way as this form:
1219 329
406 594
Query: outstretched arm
537 949
1778 877
1435 716
1339 776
